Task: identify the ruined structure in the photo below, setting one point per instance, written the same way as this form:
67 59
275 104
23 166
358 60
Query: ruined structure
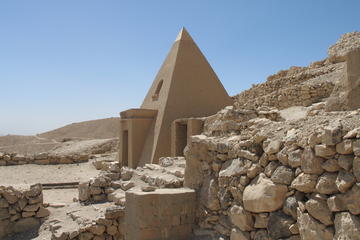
185 86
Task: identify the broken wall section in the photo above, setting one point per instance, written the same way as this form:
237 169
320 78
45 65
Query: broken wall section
161 215
21 210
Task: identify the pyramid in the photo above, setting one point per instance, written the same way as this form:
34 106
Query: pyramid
185 87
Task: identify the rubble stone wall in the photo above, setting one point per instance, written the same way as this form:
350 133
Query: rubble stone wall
21 210
298 86
40 159
267 188
109 226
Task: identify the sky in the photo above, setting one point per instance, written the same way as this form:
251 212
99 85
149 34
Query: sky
70 61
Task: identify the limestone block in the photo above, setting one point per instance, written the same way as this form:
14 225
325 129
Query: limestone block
346 161
310 229
326 183
331 165
304 182
344 147
237 234
282 175
262 195
325 151
84 191
347 226
344 181
294 158
208 194
356 168
241 218
318 208
310 163
279 224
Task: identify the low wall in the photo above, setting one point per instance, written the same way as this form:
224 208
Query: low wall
264 188
7 159
21 210
107 226
161 215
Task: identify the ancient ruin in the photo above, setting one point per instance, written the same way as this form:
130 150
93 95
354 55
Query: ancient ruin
280 162
185 87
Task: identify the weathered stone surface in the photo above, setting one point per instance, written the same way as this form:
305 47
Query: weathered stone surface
84 191
294 158
344 147
241 218
332 134
237 234
270 168
351 199
324 151
347 226
42 212
283 175
319 209
262 195
261 220
344 181
326 183
126 173
331 165
290 207
310 229
25 224
208 194
261 235
271 146
336 204
254 170
356 168
310 163
304 182
356 147
234 167
4 213
346 161
279 224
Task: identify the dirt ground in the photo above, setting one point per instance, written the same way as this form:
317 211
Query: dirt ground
23 175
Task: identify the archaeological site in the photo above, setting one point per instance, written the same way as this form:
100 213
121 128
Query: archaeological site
280 160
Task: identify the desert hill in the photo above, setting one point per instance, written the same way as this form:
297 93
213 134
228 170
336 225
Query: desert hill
93 129
99 129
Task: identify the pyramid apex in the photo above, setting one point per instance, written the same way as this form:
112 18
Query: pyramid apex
183 35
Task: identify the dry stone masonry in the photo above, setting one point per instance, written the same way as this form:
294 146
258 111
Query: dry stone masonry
41 159
277 179
21 210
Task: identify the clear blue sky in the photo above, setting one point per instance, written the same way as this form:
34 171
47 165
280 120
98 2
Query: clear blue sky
68 61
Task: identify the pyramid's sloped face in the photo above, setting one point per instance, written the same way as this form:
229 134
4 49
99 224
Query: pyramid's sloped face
185 86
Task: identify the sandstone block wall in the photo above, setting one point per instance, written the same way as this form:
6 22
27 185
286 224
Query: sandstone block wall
41 159
163 214
21 210
265 188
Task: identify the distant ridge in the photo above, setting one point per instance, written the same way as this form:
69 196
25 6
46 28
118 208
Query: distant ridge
93 129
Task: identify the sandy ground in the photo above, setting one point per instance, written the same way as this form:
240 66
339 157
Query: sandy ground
60 196
22 175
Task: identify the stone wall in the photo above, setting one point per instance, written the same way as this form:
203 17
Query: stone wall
294 87
21 210
41 159
265 187
160 215
109 225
